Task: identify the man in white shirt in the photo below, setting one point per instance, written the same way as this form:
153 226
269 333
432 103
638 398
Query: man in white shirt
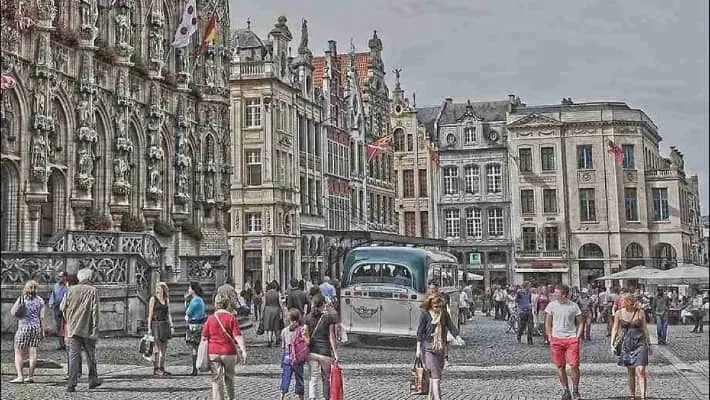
563 326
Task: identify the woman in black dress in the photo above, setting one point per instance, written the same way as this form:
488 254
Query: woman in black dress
272 313
630 328
161 326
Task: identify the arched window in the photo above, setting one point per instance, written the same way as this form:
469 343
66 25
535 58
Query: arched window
633 255
398 139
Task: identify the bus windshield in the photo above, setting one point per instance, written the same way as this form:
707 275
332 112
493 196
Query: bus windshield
382 273
444 274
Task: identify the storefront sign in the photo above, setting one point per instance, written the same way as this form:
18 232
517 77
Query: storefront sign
541 263
474 258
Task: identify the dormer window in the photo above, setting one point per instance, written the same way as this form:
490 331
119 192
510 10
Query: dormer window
469 134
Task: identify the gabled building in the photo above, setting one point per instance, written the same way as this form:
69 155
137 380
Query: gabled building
474 192
278 149
414 166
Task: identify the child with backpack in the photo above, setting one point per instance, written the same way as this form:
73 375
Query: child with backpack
294 353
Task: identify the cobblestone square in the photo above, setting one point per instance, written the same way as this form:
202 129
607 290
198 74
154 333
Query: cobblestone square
492 366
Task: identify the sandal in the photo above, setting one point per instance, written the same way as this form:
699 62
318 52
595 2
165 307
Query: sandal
30 380
17 380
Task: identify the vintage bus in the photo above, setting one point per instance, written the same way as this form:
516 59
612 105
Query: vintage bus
383 287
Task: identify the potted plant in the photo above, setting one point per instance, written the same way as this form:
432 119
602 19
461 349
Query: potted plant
96 220
191 230
163 229
139 66
131 223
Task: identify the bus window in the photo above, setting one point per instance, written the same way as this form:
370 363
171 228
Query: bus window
449 275
367 273
382 273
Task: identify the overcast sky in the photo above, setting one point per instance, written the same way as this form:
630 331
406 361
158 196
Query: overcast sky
652 54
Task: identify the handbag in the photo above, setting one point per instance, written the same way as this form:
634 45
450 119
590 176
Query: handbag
419 379
202 362
20 310
146 347
619 345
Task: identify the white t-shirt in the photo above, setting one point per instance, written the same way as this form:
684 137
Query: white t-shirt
563 318
463 300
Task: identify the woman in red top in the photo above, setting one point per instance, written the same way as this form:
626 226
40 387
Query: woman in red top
221 331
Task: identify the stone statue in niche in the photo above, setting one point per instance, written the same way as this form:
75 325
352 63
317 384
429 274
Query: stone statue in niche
40 102
84 110
121 85
120 170
120 127
209 72
154 178
183 61
287 224
182 183
155 44
38 151
209 187
123 27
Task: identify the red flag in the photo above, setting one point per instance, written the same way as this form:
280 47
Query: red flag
372 151
434 155
210 33
617 152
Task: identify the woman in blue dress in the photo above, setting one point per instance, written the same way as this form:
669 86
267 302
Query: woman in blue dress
630 329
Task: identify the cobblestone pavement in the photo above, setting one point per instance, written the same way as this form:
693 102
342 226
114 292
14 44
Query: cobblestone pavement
492 366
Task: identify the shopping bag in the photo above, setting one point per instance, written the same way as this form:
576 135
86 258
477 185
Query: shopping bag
419 380
336 382
146 347
203 361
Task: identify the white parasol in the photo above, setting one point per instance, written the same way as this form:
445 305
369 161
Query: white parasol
638 272
683 274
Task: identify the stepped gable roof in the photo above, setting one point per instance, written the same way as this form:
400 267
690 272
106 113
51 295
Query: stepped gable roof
487 110
361 61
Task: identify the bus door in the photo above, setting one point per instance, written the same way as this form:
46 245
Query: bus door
399 300
362 310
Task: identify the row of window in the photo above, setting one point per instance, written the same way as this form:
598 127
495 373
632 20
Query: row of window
410 223
311 196
472 179
474 222
408 186
550 239
549 201
659 199
585 158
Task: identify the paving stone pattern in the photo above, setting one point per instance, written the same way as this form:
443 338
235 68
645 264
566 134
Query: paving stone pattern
492 366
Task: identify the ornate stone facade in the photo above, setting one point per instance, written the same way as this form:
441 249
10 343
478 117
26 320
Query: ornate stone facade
107 118
473 210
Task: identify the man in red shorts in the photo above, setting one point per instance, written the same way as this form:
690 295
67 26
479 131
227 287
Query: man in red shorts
563 326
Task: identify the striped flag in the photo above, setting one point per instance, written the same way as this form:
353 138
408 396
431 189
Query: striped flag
210 33
617 152
188 25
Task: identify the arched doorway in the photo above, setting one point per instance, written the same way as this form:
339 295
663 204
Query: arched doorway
633 255
591 264
51 213
8 210
664 256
